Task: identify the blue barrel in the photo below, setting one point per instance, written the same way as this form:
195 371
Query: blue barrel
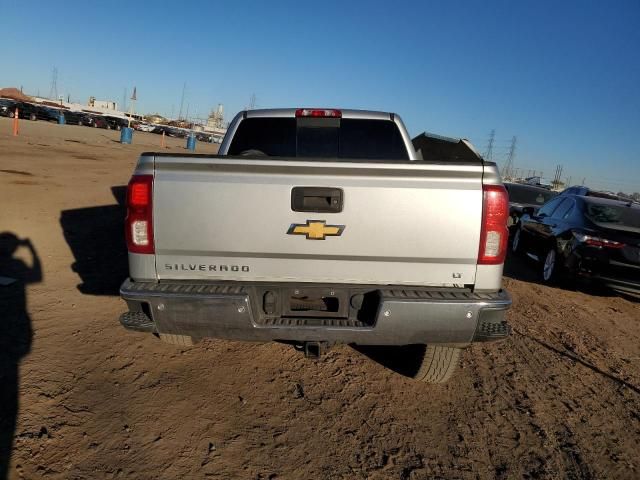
126 135
61 120
191 142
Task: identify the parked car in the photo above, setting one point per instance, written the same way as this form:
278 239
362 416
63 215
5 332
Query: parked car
26 111
47 113
204 137
30 111
6 107
144 127
590 192
100 122
522 195
116 123
580 236
75 118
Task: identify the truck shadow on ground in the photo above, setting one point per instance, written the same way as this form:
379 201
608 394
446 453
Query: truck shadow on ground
95 236
404 360
15 332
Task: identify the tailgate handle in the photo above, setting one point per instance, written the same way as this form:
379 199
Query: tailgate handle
316 199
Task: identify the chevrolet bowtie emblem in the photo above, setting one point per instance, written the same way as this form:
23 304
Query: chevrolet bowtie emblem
315 229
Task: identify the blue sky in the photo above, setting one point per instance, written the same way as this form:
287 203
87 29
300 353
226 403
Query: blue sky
564 77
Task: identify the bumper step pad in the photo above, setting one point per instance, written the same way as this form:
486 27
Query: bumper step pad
137 321
488 331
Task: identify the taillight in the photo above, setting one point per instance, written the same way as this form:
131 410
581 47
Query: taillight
319 112
139 221
494 233
596 241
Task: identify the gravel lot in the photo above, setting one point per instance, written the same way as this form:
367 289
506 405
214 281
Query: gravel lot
559 399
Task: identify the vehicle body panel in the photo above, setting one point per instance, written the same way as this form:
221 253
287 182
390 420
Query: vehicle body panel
231 211
394 263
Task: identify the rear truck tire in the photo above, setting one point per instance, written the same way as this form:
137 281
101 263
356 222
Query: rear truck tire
180 340
437 363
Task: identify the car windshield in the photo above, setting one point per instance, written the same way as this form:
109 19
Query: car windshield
529 195
319 137
620 215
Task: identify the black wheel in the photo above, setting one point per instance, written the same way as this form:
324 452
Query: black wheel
516 242
552 269
33 117
12 114
437 363
118 127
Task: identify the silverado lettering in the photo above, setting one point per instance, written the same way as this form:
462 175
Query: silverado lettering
204 268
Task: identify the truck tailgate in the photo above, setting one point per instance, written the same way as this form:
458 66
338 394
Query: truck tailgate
231 218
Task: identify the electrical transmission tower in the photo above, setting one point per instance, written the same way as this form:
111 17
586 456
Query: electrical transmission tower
53 92
489 153
508 166
184 87
556 179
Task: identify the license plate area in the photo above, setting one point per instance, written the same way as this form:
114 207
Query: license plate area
315 302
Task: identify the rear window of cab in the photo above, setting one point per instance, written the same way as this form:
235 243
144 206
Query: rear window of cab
319 138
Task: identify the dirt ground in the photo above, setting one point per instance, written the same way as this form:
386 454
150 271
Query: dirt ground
559 399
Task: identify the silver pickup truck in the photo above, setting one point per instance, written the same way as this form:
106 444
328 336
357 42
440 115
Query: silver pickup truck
320 226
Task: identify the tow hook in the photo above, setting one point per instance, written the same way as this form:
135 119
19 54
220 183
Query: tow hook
313 350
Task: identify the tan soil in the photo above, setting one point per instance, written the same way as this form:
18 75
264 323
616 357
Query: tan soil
559 399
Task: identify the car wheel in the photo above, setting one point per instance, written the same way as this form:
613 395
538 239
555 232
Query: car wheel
118 127
33 117
12 114
516 243
551 268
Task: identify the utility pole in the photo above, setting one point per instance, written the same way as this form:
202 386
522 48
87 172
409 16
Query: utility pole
184 87
53 92
508 167
252 101
489 153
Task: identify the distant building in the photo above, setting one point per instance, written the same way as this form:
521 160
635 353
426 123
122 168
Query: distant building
216 119
104 104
